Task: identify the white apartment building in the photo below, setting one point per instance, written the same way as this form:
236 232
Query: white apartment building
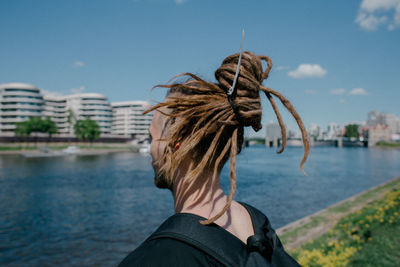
128 119
18 102
55 107
94 106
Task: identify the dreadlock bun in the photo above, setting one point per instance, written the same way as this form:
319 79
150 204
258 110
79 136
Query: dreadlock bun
251 76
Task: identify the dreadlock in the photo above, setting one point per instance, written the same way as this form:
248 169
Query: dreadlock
207 126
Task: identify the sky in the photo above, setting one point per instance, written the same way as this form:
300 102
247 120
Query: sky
334 60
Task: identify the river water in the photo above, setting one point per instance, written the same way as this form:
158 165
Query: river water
94 210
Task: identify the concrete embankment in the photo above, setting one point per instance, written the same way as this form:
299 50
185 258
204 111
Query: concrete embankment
315 225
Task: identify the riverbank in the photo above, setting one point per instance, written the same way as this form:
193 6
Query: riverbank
358 231
313 226
388 145
85 148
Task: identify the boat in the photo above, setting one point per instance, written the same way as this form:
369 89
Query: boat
71 150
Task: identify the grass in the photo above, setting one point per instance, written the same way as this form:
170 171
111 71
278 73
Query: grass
368 237
383 251
294 235
60 147
15 148
388 144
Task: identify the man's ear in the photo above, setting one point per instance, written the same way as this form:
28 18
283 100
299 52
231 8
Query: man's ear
177 146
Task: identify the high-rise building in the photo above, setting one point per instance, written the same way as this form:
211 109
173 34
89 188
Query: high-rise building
128 119
374 118
55 107
93 106
392 121
18 102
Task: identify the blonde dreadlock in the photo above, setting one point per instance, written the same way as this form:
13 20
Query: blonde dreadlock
206 124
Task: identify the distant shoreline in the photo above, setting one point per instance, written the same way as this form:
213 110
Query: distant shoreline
86 149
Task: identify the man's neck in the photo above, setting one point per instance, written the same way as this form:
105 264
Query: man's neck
204 197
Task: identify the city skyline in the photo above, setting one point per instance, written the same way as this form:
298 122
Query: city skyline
334 61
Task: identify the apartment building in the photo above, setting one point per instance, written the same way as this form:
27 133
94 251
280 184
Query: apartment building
18 102
128 120
55 107
94 106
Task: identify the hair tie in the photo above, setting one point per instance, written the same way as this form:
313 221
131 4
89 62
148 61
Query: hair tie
232 88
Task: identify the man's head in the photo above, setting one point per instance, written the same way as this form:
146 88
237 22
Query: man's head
207 126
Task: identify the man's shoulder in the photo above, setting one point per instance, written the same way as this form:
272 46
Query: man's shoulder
167 252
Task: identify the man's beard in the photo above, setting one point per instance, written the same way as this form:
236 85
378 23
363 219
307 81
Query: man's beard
160 178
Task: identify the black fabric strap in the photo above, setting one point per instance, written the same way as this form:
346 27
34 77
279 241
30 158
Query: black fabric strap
211 238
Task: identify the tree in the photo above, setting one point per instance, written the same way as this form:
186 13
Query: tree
35 125
22 129
71 119
87 130
351 131
48 126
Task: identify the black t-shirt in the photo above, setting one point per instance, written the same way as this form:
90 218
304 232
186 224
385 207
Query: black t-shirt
168 252
182 241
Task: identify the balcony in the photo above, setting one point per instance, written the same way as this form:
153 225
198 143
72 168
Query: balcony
22 93
21 99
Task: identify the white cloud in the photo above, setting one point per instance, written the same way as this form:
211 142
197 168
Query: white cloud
373 5
180 1
342 101
79 64
78 90
338 91
359 91
307 71
370 22
373 13
310 92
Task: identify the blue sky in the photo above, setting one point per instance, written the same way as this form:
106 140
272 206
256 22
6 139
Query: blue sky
335 60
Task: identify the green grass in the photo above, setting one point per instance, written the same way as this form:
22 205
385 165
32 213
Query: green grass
15 148
388 144
289 235
60 147
370 235
384 250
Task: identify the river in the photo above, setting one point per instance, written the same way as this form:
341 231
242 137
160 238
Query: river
94 210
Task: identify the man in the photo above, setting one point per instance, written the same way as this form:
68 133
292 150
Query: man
197 128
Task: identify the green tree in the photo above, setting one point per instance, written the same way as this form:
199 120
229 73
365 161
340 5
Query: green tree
48 126
351 131
35 125
87 130
22 129
71 119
